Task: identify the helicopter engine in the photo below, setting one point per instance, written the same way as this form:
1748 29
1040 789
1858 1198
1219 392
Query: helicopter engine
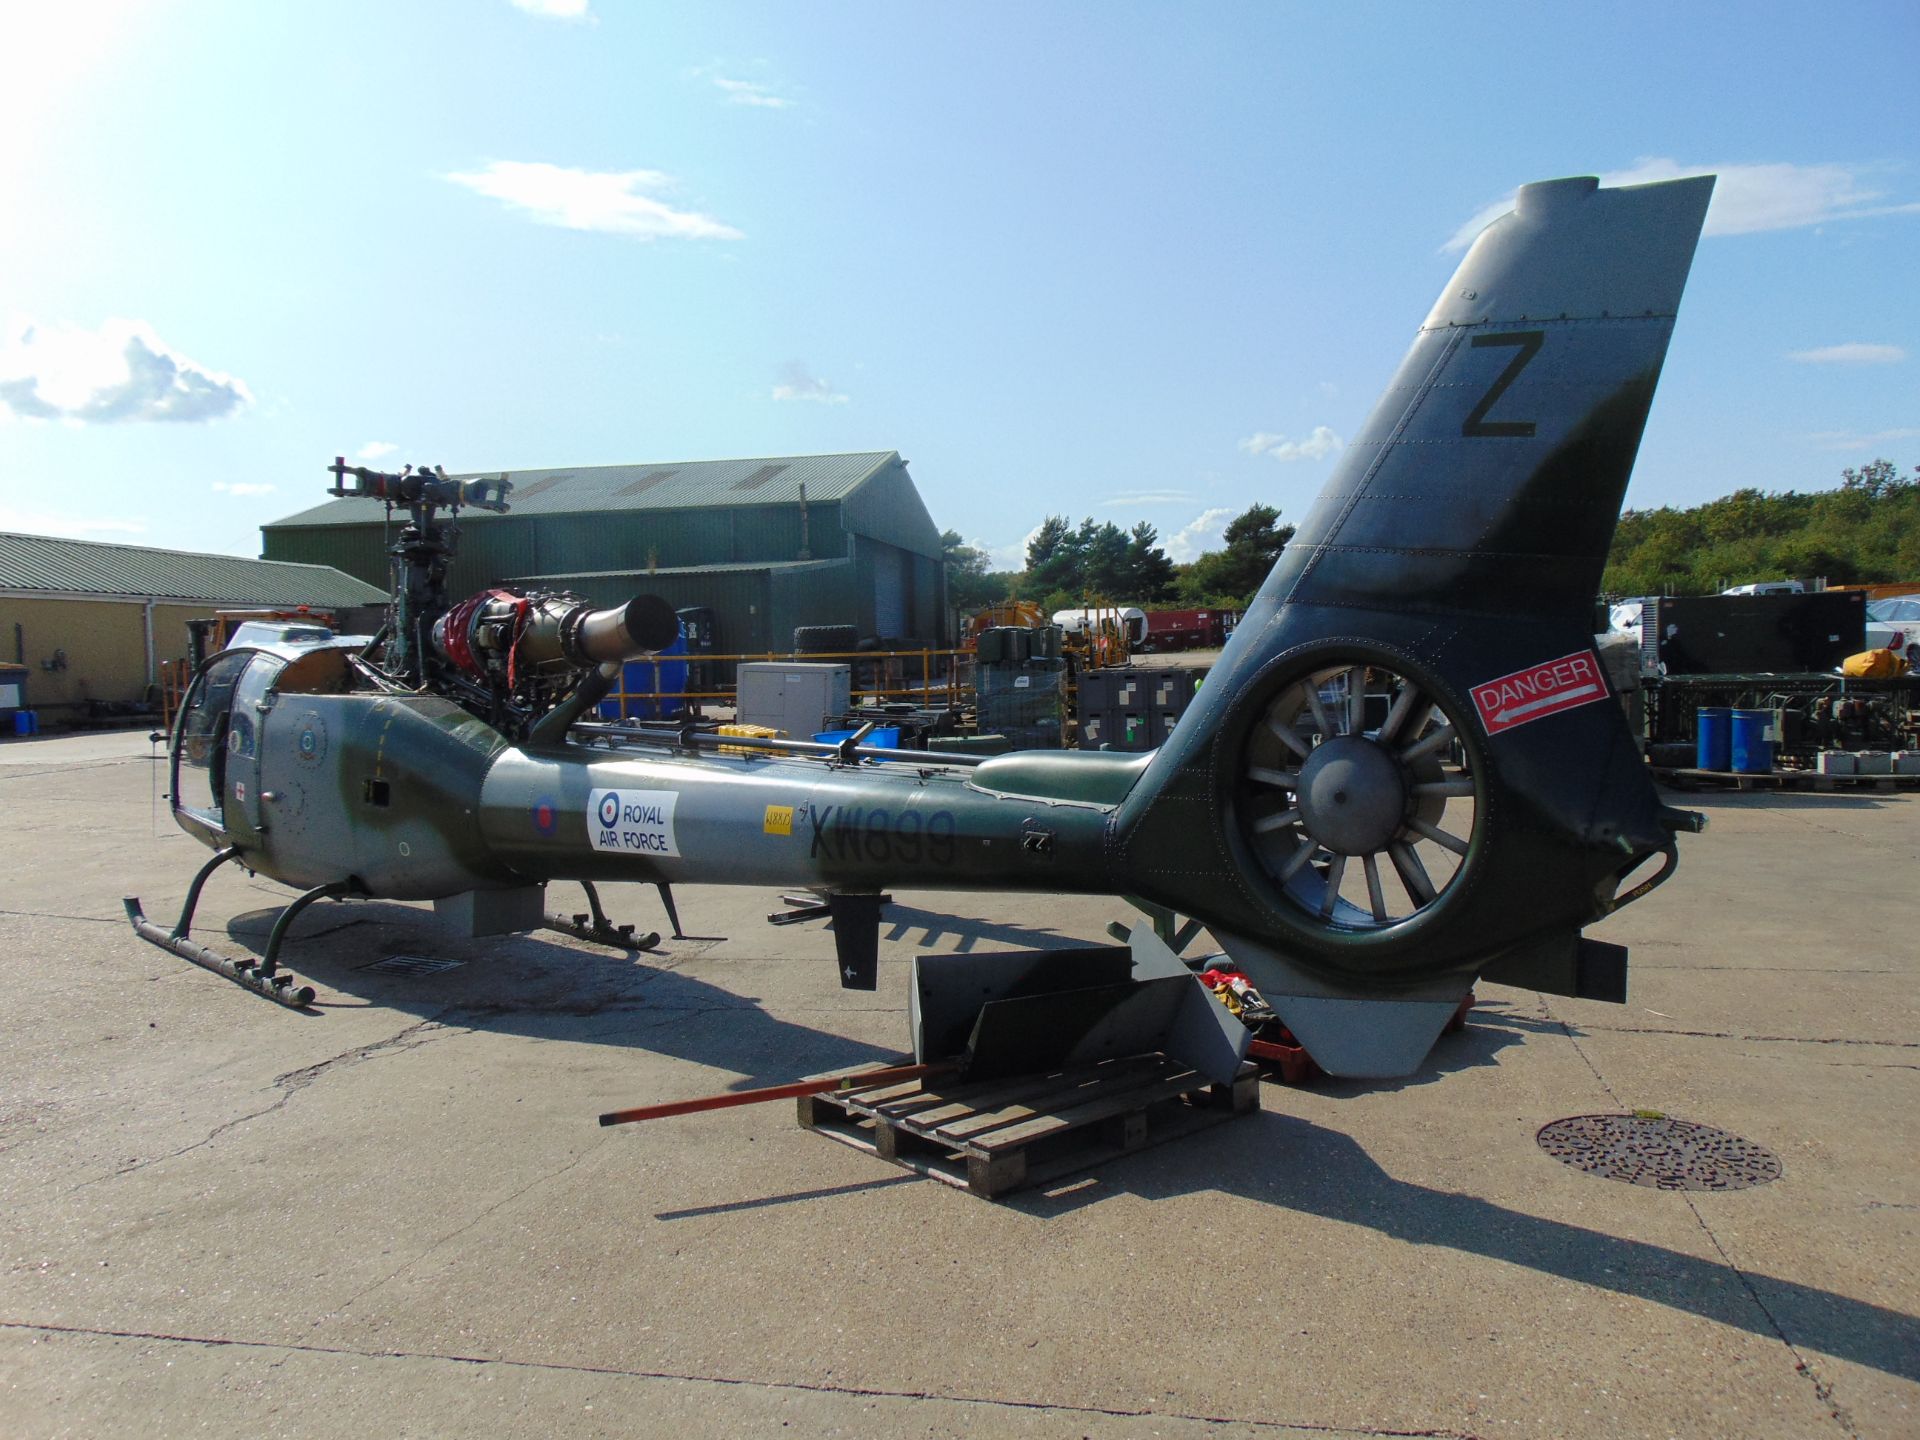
497 633
509 655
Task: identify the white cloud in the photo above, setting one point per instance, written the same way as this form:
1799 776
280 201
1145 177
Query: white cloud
1206 531
1747 198
798 383
1149 497
375 450
1854 440
1005 557
122 371
1317 446
1016 555
1002 557
555 9
613 202
241 487
1854 352
751 92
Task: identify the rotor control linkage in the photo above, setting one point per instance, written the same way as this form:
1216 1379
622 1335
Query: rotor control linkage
596 929
262 976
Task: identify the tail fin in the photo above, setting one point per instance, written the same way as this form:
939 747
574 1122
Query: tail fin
1401 772
1490 475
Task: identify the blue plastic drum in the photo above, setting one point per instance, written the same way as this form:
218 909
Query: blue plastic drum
1749 749
639 680
1713 729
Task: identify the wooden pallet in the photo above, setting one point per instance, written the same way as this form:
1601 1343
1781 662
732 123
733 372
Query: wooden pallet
1781 780
996 1136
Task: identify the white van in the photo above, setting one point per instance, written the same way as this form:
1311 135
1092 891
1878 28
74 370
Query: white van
1768 587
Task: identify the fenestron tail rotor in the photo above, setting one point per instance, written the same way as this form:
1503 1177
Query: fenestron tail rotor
1356 797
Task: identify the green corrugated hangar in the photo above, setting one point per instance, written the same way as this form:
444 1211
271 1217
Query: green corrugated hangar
768 544
91 621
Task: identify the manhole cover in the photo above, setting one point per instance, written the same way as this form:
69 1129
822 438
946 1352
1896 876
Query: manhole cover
1660 1152
413 965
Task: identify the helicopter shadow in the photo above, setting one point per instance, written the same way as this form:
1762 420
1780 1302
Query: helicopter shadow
1282 1160
400 958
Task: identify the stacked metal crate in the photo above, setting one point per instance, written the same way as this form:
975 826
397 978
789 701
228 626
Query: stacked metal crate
1020 686
1133 709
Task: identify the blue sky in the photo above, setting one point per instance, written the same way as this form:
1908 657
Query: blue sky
1123 260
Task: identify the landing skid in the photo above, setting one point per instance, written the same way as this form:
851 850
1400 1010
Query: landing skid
596 929
263 976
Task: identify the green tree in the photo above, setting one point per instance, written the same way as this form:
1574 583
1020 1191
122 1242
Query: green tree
970 584
1104 572
1254 540
1150 574
1866 530
1053 557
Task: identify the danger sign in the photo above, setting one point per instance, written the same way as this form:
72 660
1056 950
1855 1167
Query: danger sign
1539 691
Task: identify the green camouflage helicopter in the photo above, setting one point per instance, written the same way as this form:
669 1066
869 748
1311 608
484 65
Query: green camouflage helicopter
1406 771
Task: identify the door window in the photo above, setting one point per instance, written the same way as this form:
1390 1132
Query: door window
206 732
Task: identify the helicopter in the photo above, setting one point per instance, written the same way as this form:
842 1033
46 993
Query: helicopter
1406 772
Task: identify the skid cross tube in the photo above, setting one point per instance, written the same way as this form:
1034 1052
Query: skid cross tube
184 924
270 961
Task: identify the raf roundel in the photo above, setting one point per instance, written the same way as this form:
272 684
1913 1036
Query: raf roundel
609 809
310 744
543 817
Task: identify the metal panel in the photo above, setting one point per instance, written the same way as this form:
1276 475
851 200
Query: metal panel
888 507
891 611
823 593
792 697
489 553
1746 634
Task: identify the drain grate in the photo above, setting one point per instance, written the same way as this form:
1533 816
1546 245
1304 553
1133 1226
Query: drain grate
414 965
1660 1152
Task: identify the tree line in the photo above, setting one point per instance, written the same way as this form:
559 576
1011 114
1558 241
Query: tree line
1069 565
1867 530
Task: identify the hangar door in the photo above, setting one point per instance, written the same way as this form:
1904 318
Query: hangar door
889 591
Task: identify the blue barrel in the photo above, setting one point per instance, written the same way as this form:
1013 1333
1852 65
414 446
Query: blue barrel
1750 751
640 678
1713 729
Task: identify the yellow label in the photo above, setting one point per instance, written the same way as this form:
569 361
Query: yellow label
779 820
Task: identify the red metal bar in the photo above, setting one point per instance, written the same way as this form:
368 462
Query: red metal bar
858 1080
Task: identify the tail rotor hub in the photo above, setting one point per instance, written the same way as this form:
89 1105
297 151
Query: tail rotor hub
1353 795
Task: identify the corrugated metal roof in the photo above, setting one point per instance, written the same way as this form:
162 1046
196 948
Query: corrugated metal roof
90 567
661 485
